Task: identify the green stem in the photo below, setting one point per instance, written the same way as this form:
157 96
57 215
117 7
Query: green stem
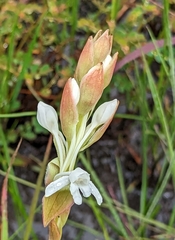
114 8
16 115
170 49
13 187
75 145
124 195
19 180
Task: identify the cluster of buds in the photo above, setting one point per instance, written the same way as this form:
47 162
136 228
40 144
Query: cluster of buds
81 125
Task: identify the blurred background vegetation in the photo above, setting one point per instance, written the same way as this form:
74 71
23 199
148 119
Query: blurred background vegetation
40 42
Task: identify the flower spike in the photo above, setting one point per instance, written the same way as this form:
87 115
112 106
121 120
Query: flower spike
81 126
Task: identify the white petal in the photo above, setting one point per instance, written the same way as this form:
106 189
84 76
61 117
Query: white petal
85 189
56 185
106 61
75 90
79 175
61 174
47 117
104 112
96 193
76 193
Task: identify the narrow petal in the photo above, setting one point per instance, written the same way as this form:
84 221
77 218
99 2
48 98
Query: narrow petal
76 193
96 193
85 189
56 185
107 61
109 66
47 117
79 174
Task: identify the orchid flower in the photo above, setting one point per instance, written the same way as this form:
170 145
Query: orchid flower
78 181
48 119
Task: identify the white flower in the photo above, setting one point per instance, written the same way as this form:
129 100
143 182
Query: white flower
79 181
105 112
47 117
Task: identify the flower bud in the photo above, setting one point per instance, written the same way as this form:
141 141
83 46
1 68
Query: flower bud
105 112
86 60
102 46
68 108
91 89
95 51
47 117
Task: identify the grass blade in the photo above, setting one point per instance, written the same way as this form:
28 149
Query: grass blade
107 199
37 191
3 207
170 152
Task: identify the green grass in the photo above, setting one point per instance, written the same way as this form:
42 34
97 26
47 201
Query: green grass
27 68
